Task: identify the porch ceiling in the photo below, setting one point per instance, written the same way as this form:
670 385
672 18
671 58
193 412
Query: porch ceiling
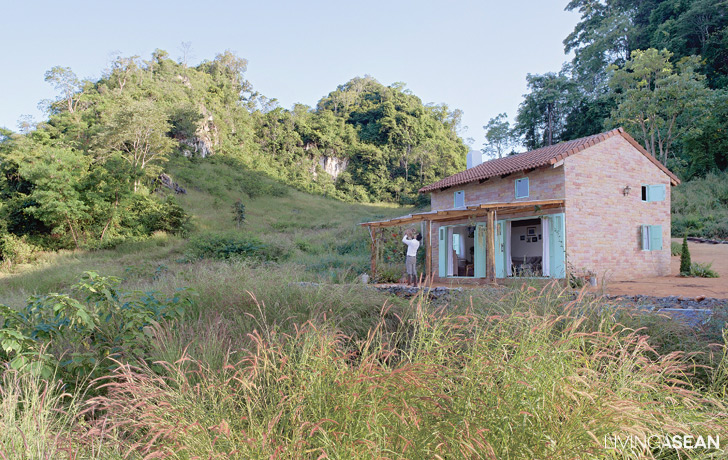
467 211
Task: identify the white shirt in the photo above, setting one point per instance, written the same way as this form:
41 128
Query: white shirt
412 246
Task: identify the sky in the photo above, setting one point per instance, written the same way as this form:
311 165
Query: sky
470 55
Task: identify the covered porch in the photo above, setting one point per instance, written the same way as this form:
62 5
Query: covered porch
481 264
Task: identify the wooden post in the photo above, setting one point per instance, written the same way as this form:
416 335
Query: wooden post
428 251
375 250
490 247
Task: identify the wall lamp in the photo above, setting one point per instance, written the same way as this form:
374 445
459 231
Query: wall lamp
626 190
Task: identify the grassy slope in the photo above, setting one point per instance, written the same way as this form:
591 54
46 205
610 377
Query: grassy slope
311 228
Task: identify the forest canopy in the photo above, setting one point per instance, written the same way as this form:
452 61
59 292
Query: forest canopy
89 175
659 68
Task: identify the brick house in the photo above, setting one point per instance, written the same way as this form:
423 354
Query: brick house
598 205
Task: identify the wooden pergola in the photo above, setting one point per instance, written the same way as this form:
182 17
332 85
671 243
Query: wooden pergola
447 215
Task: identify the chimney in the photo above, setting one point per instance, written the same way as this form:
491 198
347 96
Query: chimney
474 158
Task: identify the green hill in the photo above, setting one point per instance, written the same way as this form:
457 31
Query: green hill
317 237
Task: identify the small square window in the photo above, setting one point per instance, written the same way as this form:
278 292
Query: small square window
522 188
459 199
653 192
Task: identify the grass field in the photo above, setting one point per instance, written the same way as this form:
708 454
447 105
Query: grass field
259 365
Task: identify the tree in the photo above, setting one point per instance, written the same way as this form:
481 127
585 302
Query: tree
138 129
685 263
604 36
705 148
57 176
653 95
5 135
498 136
186 49
65 81
122 69
542 115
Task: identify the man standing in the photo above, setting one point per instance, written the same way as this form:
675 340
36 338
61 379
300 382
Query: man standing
411 260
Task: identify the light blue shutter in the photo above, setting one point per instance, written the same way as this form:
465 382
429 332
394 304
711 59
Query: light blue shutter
557 246
656 192
459 199
442 272
655 237
645 231
522 188
479 252
500 249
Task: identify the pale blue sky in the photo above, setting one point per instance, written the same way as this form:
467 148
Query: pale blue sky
471 55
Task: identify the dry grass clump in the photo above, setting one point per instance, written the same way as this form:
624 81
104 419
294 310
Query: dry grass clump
444 384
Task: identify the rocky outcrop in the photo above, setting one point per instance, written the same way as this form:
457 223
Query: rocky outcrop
206 137
333 166
165 181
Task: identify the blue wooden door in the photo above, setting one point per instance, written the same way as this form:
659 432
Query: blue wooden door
557 246
500 249
479 251
442 256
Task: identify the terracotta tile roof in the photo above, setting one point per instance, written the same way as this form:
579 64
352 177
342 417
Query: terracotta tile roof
537 158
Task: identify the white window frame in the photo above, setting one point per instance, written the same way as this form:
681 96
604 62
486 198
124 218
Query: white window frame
528 187
459 193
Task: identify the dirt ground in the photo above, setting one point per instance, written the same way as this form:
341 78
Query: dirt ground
675 285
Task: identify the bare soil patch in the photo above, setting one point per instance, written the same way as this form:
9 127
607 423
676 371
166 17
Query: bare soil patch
676 285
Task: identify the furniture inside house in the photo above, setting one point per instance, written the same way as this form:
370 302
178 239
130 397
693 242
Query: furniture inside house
527 266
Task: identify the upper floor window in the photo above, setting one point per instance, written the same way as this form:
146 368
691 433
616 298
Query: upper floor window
459 199
522 188
653 192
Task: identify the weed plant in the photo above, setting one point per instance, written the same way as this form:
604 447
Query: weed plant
703 270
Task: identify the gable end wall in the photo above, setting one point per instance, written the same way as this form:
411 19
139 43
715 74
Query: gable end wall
602 224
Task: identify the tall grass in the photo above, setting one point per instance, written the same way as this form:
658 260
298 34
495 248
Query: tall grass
446 383
38 419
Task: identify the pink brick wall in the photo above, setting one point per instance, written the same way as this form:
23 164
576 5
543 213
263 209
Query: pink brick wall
603 225
544 184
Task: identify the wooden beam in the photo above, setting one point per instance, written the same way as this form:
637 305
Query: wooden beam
490 248
428 251
474 211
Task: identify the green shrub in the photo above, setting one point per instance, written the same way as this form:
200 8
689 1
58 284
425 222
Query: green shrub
675 248
700 207
16 250
685 265
390 273
703 270
232 245
57 332
239 213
